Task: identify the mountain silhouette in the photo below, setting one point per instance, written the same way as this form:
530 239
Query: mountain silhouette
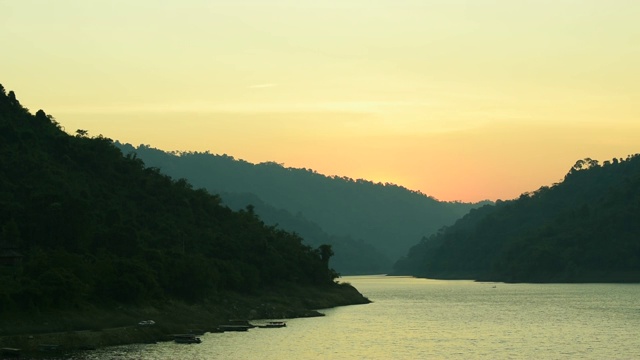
387 217
82 226
583 229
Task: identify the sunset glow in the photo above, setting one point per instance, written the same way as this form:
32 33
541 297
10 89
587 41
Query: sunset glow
462 100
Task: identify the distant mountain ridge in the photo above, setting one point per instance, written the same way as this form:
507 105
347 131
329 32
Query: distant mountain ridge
351 257
388 217
584 229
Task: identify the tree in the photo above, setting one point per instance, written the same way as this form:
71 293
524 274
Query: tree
82 133
325 253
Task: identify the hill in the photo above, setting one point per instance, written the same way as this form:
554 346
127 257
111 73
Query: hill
84 227
387 217
584 229
351 256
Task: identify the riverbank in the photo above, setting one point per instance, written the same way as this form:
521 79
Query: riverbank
92 327
577 277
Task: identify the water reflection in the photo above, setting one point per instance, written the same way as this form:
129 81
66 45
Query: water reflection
420 318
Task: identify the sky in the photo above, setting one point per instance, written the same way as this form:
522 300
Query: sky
461 100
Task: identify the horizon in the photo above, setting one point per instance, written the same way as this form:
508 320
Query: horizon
179 153
460 101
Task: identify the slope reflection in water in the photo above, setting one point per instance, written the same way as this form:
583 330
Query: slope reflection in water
420 318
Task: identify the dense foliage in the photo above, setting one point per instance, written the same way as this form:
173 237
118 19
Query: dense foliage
388 217
584 229
352 257
83 223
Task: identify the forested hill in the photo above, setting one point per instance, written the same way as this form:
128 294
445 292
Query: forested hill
386 216
83 224
351 257
584 229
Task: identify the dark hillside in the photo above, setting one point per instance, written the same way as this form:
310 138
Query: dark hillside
351 256
386 216
584 229
82 224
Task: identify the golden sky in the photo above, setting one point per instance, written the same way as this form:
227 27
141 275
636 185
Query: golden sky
462 100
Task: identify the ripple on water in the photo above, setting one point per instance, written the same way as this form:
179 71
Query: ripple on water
419 318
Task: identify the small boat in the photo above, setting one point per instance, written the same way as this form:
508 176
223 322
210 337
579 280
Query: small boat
234 327
240 322
186 339
273 325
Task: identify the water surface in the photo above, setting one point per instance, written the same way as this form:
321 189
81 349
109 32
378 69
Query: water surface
421 318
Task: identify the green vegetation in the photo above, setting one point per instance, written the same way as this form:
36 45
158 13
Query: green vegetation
369 224
84 226
584 229
351 256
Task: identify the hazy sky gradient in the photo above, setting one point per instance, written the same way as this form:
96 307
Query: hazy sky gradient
462 100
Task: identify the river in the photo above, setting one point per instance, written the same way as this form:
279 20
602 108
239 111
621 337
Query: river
434 319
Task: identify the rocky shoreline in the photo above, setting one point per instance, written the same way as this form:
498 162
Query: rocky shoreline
47 339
